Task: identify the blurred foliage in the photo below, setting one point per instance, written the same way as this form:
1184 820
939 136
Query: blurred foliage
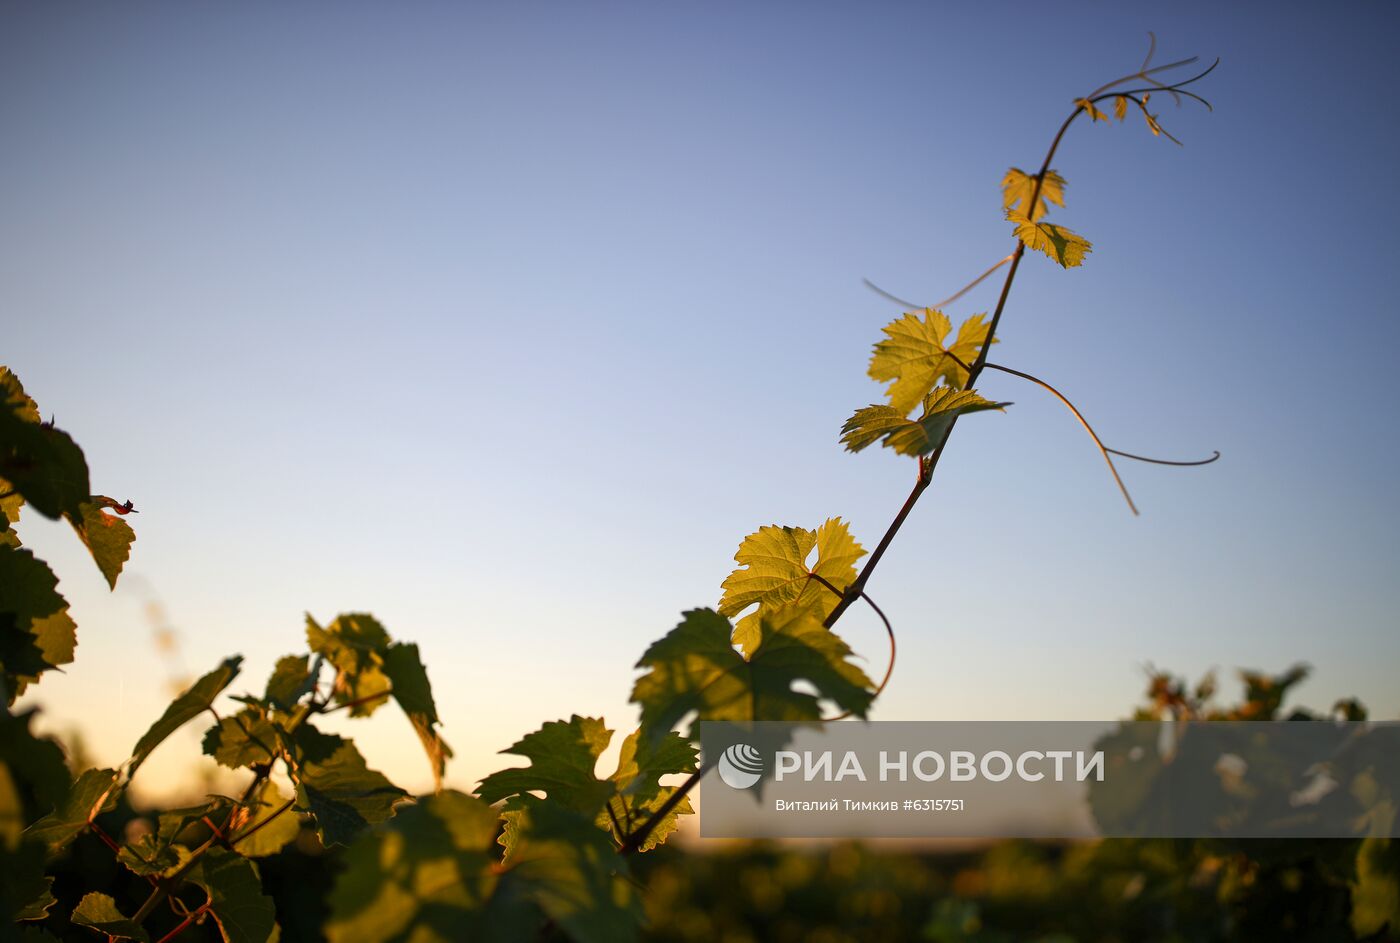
1040 892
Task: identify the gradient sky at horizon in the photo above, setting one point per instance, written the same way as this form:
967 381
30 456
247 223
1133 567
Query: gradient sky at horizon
507 322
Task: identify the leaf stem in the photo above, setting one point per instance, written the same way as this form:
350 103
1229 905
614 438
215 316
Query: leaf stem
634 841
256 826
350 705
185 924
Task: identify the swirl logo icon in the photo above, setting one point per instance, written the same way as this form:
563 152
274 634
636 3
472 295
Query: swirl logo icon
740 766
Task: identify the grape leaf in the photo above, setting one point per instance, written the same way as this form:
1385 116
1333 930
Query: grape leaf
906 436
15 399
244 739
915 354
354 643
94 792
41 464
344 795
186 707
562 757
29 593
1065 247
572 872
20 654
1094 114
147 854
695 668
428 874
1017 187
773 573
187 825
640 766
100 912
283 826
107 537
413 692
288 682
242 912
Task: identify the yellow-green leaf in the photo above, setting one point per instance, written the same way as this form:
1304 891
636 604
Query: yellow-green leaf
907 436
562 756
342 794
355 644
1017 187
270 825
244 914
1057 242
1092 109
39 632
94 792
242 739
99 912
640 765
774 573
189 705
410 687
107 537
694 669
916 355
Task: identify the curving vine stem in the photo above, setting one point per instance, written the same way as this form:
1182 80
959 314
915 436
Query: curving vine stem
926 466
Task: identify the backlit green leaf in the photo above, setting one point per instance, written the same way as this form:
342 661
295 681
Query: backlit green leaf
355 644
243 739
570 869
100 912
147 854
188 825
695 669
429 875
288 682
184 708
909 437
241 910
562 757
29 594
412 691
1058 243
43 465
107 537
343 795
640 766
773 574
270 826
94 792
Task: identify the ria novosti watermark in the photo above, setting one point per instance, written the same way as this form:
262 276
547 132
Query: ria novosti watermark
1051 779
929 766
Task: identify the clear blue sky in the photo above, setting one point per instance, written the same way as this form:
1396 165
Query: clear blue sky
506 322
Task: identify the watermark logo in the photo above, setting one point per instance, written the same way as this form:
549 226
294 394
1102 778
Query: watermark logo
740 766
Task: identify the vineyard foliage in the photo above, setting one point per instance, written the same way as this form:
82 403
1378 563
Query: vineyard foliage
549 848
